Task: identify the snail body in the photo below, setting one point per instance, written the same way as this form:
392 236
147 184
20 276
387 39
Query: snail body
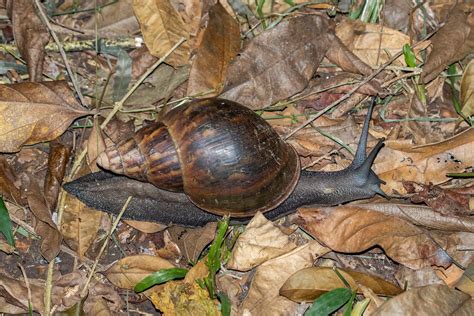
215 157
227 159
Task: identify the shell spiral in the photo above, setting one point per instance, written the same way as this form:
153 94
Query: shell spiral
226 158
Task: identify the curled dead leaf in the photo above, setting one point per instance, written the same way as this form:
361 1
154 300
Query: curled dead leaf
127 272
354 229
308 284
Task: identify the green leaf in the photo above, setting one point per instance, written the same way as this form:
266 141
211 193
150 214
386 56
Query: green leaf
225 304
329 302
162 276
6 224
410 58
213 261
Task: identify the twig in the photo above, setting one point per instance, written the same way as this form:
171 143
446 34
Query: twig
61 51
27 283
104 245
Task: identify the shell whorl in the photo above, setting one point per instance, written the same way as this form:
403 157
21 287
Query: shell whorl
148 156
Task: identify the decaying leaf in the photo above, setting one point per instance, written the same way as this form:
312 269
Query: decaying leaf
467 89
261 241
450 44
65 293
7 179
95 145
356 229
162 28
263 297
399 161
182 298
45 227
31 37
216 51
308 284
265 73
31 113
128 271
79 225
192 241
373 43
57 163
428 300
422 215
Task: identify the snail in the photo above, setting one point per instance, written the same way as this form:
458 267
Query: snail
215 157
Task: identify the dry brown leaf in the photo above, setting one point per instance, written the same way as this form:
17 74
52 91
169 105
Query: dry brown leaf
181 298
192 241
162 28
374 44
31 37
417 278
428 300
261 241
45 227
215 52
15 292
466 282
422 215
353 229
6 248
95 145
146 227
160 85
450 44
57 163
265 73
127 272
263 297
467 89
114 20
65 292
399 161
8 188
31 113
308 284
79 225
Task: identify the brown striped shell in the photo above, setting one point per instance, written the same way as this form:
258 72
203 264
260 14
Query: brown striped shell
227 159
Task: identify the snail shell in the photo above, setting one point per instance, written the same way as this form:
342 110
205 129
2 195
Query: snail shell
226 158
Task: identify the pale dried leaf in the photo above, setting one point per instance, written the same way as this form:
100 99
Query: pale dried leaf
400 161
162 28
215 52
260 241
353 229
428 300
263 297
79 225
422 215
308 284
374 44
31 113
127 272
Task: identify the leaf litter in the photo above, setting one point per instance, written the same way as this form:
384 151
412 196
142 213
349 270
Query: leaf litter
287 61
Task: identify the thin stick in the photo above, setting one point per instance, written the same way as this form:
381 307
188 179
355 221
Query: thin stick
104 245
61 51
